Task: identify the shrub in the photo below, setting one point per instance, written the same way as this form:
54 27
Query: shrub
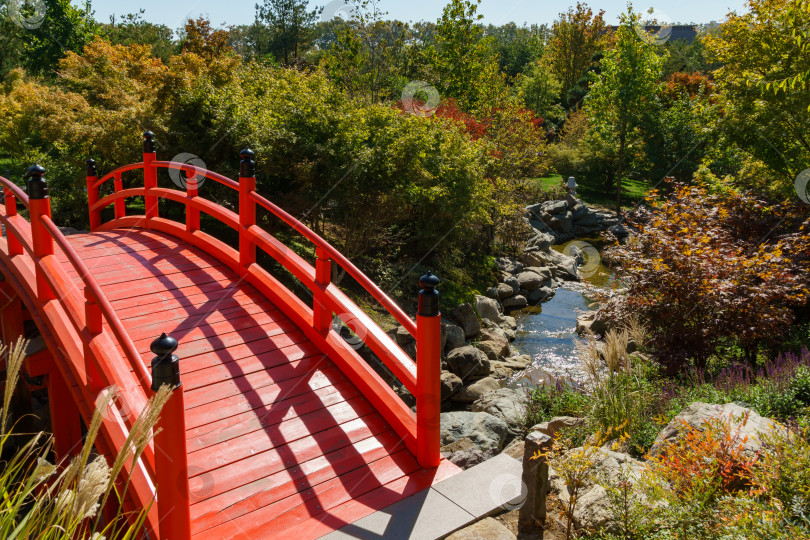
559 400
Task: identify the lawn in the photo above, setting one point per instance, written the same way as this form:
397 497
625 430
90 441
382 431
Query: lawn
594 194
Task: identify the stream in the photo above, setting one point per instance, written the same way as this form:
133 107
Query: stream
547 332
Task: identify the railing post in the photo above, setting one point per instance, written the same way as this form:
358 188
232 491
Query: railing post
247 209
14 245
149 176
192 190
171 455
321 314
428 372
40 205
92 195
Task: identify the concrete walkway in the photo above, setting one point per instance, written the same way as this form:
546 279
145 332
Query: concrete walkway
449 505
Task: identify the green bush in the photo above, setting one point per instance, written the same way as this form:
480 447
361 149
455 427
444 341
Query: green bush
550 401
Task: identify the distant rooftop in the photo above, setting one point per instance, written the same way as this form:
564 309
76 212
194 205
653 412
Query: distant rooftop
686 32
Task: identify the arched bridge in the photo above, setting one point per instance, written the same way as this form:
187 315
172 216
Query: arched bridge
276 426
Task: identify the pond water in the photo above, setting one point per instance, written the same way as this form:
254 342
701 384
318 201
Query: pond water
547 332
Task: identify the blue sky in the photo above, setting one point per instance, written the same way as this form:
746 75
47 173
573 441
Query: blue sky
173 13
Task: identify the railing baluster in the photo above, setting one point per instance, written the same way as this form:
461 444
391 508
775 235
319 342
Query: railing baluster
14 245
171 455
192 190
119 204
40 205
92 195
321 314
247 209
149 177
428 373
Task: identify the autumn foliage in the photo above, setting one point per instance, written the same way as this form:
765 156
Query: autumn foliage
706 270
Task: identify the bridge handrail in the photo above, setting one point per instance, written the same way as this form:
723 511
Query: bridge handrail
18 193
116 173
338 257
90 283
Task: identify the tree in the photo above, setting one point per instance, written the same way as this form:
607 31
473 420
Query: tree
201 39
625 90
576 36
541 92
291 26
132 29
763 54
463 61
517 46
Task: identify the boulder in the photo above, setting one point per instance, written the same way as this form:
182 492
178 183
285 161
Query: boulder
488 308
486 529
496 334
515 302
540 295
508 404
472 391
529 280
468 362
749 427
484 430
450 383
591 322
499 371
509 322
619 231
493 350
455 337
541 240
562 223
405 341
513 282
553 426
517 362
504 290
492 292
508 265
542 271
579 210
465 316
554 207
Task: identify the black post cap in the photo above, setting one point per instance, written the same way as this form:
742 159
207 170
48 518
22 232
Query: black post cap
37 185
428 296
247 167
165 365
148 142
91 167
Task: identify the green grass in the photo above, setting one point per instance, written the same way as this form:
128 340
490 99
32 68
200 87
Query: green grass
593 193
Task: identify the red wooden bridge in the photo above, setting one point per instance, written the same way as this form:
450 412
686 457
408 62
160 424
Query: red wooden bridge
276 426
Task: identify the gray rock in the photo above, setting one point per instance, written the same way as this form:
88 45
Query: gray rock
486 431
469 457
508 404
542 271
492 349
450 384
515 302
465 316
455 337
471 392
492 292
553 426
541 240
533 257
504 290
509 322
508 265
517 362
591 322
540 295
529 280
486 529
488 308
496 334
513 282
749 427
405 341
587 220
468 362
619 231
579 210
498 371
554 207
539 225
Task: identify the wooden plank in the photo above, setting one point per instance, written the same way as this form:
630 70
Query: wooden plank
288 482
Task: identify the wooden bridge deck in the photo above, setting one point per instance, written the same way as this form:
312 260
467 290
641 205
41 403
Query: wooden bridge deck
278 437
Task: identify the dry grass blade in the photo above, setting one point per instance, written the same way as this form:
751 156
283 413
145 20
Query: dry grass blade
14 362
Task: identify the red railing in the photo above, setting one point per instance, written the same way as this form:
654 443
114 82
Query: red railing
77 318
420 431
